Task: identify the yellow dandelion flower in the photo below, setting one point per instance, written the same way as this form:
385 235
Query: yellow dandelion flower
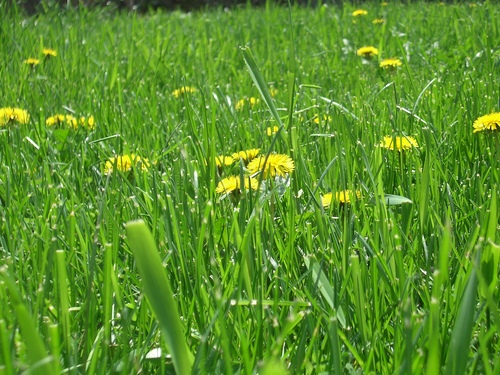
378 21
32 61
390 63
250 102
47 52
88 123
486 122
233 183
359 12
273 92
11 115
398 143
384 3
270 131
183 91
342 197
223 160
246 155
321 119
125 163
276 165
367 51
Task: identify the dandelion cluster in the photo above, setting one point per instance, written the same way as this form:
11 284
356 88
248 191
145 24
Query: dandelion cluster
13 115
183 91
125 163
487 122
71 122
398 143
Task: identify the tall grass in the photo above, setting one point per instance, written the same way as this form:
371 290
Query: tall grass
402 280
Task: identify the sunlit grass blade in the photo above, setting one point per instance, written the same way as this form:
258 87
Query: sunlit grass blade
159 294
260 83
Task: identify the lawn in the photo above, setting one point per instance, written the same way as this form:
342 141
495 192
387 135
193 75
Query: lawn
251 191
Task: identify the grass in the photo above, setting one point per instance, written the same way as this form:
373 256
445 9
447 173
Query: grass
265 281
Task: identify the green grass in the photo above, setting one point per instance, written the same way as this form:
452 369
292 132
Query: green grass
266 281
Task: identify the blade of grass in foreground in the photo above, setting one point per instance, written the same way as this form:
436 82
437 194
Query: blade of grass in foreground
458 351
159 294
40 361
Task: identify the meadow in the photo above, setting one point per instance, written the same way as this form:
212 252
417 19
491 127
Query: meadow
251 190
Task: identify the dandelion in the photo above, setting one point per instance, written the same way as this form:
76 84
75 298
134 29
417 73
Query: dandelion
486 122
88 123
320 119
270 131
342 197
398 143
250 102
246 155
70 122
233 183
11 115
223 160
125 163
378 21
273 91
367 52
384 3
359 12
275 165
391 63
48 53
183 91
32 62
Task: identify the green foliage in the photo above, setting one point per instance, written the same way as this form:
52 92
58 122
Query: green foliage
397 273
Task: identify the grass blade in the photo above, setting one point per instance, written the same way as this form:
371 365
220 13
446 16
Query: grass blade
159 293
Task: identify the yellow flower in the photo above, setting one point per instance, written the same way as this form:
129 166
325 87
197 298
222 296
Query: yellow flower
124 163
271 131
378 21
88 123
47 52
342 197
367 51
222 160
399 143
233 183
273 92
32 61
246 155
71 121
384 3
487 122
9 115
320 119
184 90
242 103
276 165
390 63
359 12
